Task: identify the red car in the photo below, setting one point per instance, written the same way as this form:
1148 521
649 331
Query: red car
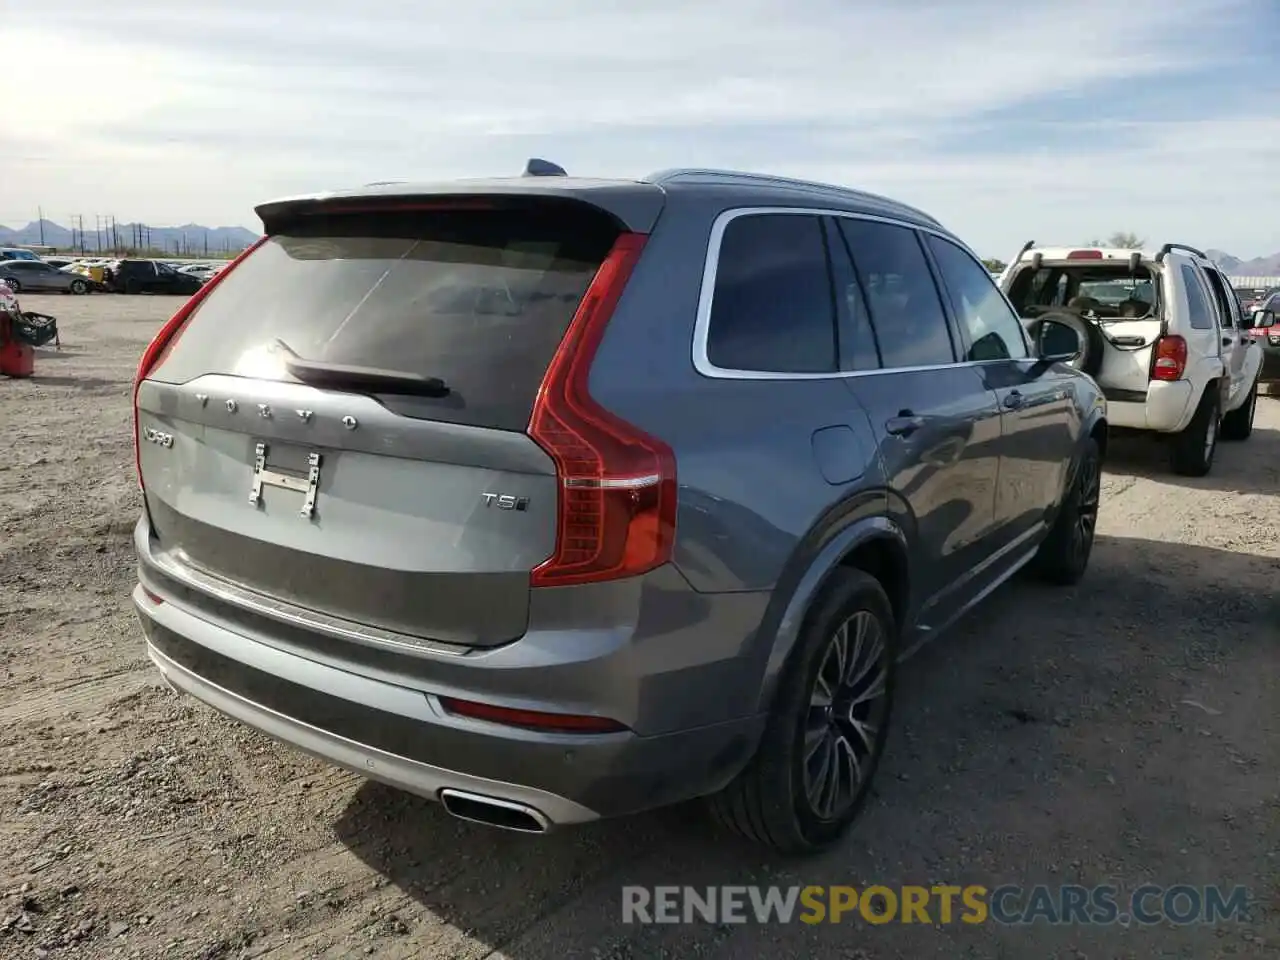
1268 337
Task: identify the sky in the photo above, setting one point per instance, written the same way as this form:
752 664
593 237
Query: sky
1058 122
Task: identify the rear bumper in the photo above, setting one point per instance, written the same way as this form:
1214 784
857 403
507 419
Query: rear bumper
1166 408
394 729
410 775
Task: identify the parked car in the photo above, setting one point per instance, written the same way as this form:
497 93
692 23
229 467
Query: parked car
1266 333
36 275
17 253
553 499
148 276
201 271
1252 300
1163 336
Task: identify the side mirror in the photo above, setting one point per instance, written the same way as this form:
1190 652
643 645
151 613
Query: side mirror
1261 319
1057 342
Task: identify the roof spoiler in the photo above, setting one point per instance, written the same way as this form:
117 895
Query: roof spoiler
1164 251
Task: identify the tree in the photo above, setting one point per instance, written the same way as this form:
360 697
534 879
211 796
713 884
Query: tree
1121 240
995 266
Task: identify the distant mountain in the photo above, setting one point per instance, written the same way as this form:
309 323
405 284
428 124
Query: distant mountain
190 238
1226 261
1257 267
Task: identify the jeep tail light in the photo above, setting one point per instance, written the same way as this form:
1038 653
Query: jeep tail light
616 502
1085 255
168 334
1170 358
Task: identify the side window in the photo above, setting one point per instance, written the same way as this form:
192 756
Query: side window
906 314
1224 299
857 338
1197 305
772 308
995 332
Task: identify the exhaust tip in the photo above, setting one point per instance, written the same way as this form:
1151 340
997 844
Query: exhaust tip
493 812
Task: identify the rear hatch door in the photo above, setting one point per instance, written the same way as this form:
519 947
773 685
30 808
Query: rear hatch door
1123 306
340 425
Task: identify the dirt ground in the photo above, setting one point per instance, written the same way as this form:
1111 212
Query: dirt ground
1123 732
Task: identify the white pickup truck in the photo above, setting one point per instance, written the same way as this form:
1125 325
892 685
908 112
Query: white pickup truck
1161 332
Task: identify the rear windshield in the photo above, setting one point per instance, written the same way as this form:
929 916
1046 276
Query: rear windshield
479 298
1108 291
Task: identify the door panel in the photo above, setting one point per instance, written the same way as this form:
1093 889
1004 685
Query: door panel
939 439
1040 421
1235 344
1036 411
937 425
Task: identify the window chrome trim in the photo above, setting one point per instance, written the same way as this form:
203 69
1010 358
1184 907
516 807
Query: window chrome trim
702 324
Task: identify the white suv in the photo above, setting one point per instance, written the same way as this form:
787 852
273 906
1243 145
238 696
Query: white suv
1162 334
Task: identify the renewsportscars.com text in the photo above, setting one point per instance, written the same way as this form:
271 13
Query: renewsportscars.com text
1069 904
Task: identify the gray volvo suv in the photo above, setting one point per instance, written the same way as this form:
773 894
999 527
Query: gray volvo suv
553 498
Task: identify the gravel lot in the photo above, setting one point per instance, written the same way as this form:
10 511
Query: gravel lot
1127 731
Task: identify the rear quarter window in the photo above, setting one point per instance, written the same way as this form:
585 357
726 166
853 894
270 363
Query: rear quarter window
772 309
1199 312
479 298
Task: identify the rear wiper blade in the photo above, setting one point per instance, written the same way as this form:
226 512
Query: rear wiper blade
321 373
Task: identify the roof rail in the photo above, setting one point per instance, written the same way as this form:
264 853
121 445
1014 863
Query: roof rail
1179 246
1021 253
686 174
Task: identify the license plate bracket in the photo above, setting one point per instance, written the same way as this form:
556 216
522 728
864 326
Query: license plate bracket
264 476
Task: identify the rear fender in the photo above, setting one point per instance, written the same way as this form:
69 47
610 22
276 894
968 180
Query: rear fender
1253 358
807 573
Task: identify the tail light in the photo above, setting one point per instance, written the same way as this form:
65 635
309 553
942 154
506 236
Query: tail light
165 339
1170 360
531 719
1085 255
616 509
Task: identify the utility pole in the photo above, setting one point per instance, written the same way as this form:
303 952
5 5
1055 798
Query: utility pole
40 220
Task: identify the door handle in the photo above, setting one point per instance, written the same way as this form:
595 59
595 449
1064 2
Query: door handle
904 424
1013 400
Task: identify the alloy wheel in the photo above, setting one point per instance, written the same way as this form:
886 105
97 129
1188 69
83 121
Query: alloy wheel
848 706
1090 487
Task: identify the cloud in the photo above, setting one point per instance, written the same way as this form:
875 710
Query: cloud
1004 121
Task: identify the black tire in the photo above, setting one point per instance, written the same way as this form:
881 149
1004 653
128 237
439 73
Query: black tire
1063 557
770 802
1238 424
79 287
1192 450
